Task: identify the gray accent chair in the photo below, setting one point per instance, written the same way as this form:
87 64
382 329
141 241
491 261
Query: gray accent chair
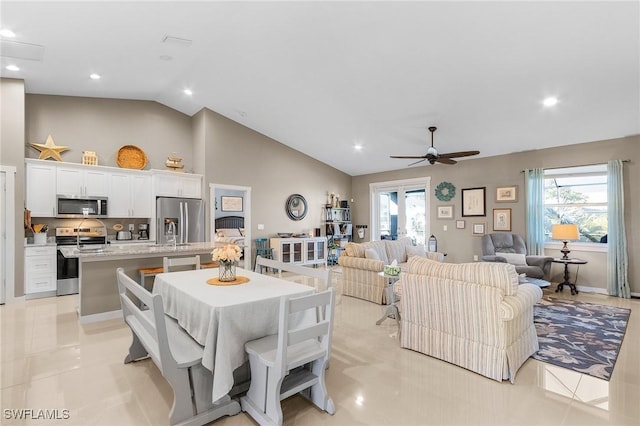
494 244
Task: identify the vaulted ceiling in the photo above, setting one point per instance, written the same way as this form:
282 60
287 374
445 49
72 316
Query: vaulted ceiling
323 77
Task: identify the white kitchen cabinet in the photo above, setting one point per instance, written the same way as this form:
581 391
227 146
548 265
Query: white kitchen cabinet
130 195
40 270
82 181
40 188
302 251
173 184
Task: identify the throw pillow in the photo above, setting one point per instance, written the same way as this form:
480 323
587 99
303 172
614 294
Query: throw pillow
514 258
354 250
371 254
416 251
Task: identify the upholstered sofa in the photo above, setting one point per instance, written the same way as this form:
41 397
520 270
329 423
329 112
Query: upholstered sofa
474 315
510 248
362 263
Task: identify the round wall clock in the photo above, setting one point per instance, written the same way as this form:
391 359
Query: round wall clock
445 191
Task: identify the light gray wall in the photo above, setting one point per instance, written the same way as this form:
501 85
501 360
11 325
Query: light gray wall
12 124
105 125
506 170
237 155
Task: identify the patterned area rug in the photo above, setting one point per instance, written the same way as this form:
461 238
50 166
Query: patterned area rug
581 336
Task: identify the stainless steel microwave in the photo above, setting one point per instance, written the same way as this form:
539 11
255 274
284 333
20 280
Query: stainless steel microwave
79 207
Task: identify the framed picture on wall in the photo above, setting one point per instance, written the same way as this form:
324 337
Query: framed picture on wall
507 194
478 229
445 212
459 224
231 204
474 201
502 219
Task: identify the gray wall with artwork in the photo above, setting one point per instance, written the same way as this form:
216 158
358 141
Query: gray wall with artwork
507 171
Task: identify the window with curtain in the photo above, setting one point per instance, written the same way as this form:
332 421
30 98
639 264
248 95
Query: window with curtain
577 195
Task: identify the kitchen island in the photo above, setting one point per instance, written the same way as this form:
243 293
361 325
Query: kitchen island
98 288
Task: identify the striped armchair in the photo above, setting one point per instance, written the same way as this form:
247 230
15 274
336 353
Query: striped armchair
474 315
362 262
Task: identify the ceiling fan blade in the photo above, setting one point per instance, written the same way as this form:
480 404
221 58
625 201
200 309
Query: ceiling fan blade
408 156
445 160
416 162
459 154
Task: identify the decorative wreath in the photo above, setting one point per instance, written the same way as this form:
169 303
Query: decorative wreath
445 191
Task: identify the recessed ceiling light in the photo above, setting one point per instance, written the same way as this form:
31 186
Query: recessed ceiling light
550 101
7 33
357 147
188 92
94 76
13 68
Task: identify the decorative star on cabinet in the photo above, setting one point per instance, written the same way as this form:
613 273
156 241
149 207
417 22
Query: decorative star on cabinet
49 149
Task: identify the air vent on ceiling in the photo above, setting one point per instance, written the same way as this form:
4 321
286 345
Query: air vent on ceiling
177 41
18 50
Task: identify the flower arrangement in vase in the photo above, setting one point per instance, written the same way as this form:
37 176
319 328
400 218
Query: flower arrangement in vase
228 257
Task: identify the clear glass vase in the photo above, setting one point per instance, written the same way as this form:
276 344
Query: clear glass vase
227 271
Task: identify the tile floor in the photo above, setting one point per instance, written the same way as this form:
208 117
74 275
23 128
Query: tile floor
49 361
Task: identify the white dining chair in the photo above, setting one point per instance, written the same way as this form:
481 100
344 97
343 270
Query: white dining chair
321 274
170 262
292 361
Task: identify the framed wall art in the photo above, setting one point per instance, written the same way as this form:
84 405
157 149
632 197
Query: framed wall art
507 194
478 229
231 204
474 201
459 224
502 219
445 212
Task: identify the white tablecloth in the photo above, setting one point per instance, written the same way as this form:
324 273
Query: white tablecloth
224 318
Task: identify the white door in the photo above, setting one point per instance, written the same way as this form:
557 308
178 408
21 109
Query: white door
399 209
3 235
7 233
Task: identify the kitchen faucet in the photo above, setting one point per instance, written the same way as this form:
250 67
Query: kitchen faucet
172 233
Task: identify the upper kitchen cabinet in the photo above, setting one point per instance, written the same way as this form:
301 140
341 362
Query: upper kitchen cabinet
130 194
40 188
174 184
81 181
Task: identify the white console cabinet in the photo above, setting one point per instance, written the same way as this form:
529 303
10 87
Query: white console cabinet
302 251
40 271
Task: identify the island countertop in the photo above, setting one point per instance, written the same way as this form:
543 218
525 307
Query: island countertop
132 251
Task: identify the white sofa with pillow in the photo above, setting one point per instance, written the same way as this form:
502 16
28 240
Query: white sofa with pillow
362 263
474 315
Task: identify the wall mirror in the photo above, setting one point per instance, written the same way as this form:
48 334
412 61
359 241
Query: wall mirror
296 207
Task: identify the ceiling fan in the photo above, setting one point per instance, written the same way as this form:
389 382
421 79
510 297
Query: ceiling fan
432 155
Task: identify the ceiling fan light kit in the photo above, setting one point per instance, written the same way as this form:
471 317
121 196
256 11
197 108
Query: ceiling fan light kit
432 155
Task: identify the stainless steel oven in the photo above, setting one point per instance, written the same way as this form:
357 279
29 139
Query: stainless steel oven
67 277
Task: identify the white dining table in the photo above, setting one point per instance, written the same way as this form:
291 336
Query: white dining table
223 318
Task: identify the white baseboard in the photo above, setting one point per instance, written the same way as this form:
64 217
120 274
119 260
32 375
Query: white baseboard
87 319
599 290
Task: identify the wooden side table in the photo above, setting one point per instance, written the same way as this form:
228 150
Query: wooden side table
567 262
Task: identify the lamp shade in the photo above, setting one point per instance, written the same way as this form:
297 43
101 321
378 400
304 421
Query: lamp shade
565 232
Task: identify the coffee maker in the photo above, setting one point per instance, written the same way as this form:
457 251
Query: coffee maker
143 231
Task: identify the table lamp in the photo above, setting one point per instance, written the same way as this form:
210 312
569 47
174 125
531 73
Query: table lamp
565 233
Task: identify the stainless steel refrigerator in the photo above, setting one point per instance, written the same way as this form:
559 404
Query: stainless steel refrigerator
179 218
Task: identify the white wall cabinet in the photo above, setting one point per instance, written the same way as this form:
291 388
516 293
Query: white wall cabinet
40 188
302 251
82 181
130 195
40 269
173 184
